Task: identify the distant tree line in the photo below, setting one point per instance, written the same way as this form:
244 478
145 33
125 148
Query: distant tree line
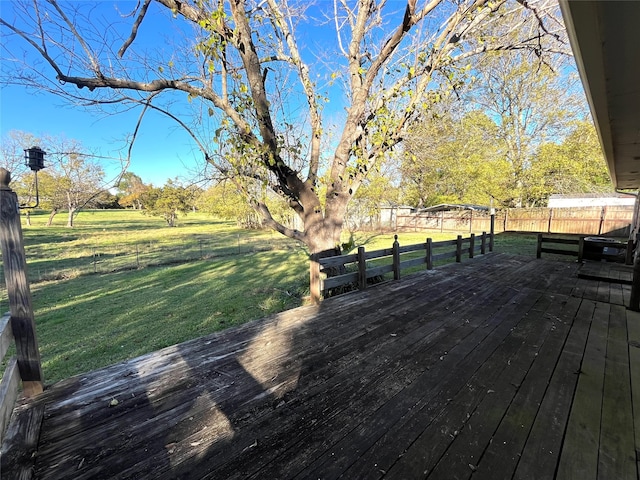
73 177
512 135
221 199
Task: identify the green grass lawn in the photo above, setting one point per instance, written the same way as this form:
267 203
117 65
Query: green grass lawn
89 320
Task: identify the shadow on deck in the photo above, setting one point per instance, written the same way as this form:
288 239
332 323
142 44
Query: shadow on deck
501 367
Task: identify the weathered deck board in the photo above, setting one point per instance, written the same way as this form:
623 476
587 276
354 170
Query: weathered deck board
608 271
493 368
461 357
617 457
540 455
633 333
507 444
579 458
443 411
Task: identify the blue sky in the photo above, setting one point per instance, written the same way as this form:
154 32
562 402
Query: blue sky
162 150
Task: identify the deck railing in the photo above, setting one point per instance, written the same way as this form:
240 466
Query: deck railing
19 324
578 252
10 383
578 242
359 268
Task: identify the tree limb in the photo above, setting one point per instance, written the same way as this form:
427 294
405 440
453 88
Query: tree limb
134 29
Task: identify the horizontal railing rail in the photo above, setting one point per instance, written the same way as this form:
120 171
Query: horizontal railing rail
579 252
357 269
544 240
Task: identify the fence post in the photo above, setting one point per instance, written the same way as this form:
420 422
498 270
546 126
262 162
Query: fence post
628 258
492 227
20 305
580 248
634 301
362 269
472 244
459 249
429 254
314 278
603 214
396 258
483 245
470 221
539 246
550 220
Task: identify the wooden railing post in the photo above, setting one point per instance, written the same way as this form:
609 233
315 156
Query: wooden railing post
20 305
362 269
492 227
459 249
483 245
628 257
314 278
634 300
539 247
472 244
396 258
429 254
580 249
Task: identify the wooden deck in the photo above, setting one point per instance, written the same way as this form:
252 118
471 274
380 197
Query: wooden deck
498 368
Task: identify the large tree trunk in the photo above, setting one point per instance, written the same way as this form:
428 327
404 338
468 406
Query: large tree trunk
171 219
323 240
322 234
70 217
51 215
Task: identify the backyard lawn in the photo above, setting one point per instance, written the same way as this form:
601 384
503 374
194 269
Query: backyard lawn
121 284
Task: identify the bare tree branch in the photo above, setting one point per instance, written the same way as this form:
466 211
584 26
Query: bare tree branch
134 29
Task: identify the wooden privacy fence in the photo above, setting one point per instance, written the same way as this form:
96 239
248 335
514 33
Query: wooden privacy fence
585 220
359 268
456 221
18 325
579 220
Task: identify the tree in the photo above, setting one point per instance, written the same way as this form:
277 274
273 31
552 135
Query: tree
167 202
12 153
530 104
379 188
105 200
453 158
131 189
245 70
224 200
576 165
71 179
